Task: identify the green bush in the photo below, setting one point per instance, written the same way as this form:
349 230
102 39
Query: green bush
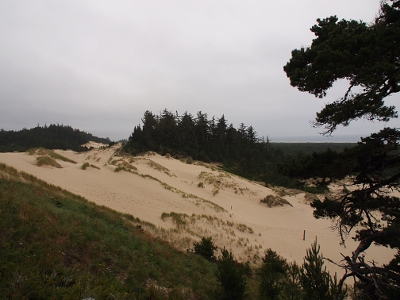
205 248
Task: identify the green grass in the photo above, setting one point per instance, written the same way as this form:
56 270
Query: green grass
56 245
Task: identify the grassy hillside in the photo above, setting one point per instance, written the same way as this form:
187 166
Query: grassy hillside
56 245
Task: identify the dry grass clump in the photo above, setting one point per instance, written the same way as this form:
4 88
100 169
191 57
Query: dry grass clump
309 198
281 191
50 153
202 164
122 165
243 228
186 159
220 181
216 207
160 168
87 165
273 201
178 219
46 160
149 153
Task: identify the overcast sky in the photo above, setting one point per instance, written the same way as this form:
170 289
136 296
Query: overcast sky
99 65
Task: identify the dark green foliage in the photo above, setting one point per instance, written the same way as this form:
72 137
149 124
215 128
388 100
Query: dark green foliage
376 165
50 137
292 285
205 248
232 282
280 280
322 165
368 56
272 275
316 281
240 150
296 151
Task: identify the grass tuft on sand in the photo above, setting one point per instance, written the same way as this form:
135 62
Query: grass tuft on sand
273 201
87 165
46 160
50 153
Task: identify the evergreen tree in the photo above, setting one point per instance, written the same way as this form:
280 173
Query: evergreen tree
205 248
149 130
365 54
368 56
167 130
202 129
292 285
315 280
186 133
272 275
232 283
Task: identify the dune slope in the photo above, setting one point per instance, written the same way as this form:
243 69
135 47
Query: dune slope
189 201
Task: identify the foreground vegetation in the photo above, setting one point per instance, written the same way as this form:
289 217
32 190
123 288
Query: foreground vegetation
56 245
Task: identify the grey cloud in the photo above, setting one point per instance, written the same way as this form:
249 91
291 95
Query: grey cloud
98 65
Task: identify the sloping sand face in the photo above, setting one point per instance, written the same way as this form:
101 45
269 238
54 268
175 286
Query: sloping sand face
189 201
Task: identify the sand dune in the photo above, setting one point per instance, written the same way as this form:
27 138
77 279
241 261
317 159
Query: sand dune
210 201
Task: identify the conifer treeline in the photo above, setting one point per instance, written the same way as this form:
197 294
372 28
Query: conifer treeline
50 137
240 150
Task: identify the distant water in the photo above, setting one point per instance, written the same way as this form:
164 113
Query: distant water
354 138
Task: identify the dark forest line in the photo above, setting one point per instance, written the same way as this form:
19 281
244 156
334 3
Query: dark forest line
50 137
239 150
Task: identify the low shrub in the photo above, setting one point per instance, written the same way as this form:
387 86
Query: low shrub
86 165
47 161
205 248
273 201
